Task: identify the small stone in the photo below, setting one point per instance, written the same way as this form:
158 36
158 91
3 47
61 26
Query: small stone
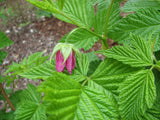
8 31
31 30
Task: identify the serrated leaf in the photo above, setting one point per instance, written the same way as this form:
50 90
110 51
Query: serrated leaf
111 73
135 5
60 4
137 93
30 111
69 101
4 40
138 56
143 23
6 116
1 79
15 98
45 5
3 54
100 19
83 64
39 72
81 38
80 11
31 94
30 107
32 61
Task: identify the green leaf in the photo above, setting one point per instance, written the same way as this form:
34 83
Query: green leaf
137 93
3 55
42 71
94 62
31 94
30 111
44 5
80 11
30 107
6 116
60 4
1 79
83 64
111 73
135 5
4 40
100 19
69 101
33 60
138 56
81 38
143 23
15 98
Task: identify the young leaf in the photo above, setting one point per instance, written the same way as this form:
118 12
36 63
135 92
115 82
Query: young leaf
143 23
4 40
3 54
111 73
81 38
42 71
135 5
138 56
137 93
33 60
69 101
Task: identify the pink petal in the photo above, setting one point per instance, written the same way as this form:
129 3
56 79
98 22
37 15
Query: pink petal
69 63
59 62
73 60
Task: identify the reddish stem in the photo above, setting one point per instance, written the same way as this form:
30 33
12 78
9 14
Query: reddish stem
6 97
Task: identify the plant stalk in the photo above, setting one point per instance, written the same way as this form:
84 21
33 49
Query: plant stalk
6 97
107 18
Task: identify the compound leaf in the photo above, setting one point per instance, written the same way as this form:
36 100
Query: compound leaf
30 111
143 23
111 73
39 72
138 56
68 100
30 107
137 93
135 5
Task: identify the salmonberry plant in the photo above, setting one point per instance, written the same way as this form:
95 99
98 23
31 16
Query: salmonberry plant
124 86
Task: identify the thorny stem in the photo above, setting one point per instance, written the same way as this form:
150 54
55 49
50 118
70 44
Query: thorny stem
6 97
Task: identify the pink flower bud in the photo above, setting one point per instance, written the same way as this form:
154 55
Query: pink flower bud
69 63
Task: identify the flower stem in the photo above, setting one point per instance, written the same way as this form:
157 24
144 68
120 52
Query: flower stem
6 97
